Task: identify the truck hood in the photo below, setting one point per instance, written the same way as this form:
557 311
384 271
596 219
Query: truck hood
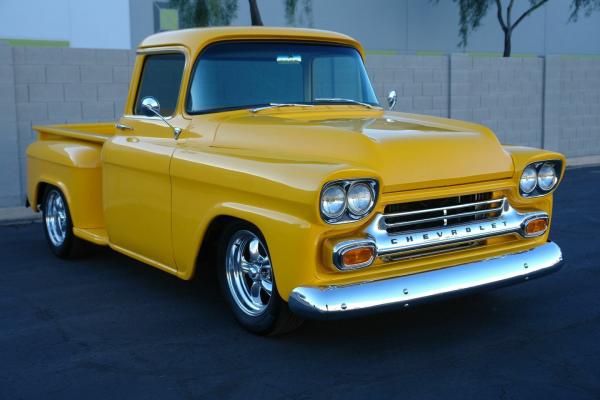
406 151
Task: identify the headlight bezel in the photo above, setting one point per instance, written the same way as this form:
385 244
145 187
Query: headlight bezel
348 216
537 166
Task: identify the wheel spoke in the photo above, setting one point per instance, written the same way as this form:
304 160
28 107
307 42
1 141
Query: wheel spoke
254 250
255 293
245 266
266 285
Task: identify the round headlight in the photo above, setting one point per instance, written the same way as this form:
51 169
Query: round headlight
528 180
360 198
547 177
333 201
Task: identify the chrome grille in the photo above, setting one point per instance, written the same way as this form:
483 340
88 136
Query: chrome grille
418 215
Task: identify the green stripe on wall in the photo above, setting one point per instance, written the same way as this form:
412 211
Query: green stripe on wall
426 53
495 54
431 53
382 52
37 43
580 57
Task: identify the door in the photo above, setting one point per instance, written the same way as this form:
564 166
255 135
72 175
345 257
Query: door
136 161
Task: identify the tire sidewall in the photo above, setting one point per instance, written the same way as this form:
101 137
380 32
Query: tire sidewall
266 321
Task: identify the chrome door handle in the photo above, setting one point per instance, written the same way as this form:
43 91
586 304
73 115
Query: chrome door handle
123 127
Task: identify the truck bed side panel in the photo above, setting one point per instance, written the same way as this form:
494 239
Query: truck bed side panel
75 167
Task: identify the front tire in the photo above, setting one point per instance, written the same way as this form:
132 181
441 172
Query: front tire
248 283
58 225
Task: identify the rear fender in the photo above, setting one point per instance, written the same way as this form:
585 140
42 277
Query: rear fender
75 168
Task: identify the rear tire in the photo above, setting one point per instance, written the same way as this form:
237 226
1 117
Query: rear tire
58 226
248 283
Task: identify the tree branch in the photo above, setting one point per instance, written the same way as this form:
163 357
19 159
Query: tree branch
509 12
255 13
526 13
500 19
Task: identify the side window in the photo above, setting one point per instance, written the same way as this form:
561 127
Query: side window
161 79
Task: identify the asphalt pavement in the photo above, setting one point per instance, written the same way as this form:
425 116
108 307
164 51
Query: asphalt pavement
109 327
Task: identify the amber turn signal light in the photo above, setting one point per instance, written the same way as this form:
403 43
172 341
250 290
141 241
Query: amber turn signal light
535 227
358 257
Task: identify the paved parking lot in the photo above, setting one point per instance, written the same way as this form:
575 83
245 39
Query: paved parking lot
109 327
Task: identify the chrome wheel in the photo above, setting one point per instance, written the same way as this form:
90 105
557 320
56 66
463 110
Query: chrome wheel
55 218
248 271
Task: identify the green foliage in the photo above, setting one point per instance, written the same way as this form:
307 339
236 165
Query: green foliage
587 7
193 13
293 18
471 12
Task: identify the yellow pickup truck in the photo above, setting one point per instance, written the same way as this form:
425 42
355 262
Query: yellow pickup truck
263 154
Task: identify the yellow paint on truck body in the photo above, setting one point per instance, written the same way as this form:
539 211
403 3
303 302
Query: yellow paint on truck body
153 198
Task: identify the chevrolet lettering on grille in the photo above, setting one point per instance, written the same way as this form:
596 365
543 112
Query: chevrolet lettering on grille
456 232
509 221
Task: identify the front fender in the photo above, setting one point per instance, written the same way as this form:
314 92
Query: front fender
278 197
289 239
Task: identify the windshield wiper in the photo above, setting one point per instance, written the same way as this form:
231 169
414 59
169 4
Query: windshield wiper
278 105
349 101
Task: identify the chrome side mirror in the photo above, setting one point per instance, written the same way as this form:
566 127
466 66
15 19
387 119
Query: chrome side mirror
151 108
391 99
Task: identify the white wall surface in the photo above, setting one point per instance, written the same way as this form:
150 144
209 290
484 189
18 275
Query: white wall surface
408 26
402 26
84 23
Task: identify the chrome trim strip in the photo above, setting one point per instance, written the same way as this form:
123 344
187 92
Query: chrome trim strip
323 302
433 250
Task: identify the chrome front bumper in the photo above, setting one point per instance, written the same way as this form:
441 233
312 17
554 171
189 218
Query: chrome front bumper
373 296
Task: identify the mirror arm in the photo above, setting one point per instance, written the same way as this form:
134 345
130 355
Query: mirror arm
176 131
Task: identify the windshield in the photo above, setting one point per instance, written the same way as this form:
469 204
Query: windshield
233 75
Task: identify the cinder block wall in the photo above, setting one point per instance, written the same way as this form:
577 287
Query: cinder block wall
505 94
57 86
10 188
551 102
572 105
421 83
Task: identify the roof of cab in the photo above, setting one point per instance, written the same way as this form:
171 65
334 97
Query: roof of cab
197 38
